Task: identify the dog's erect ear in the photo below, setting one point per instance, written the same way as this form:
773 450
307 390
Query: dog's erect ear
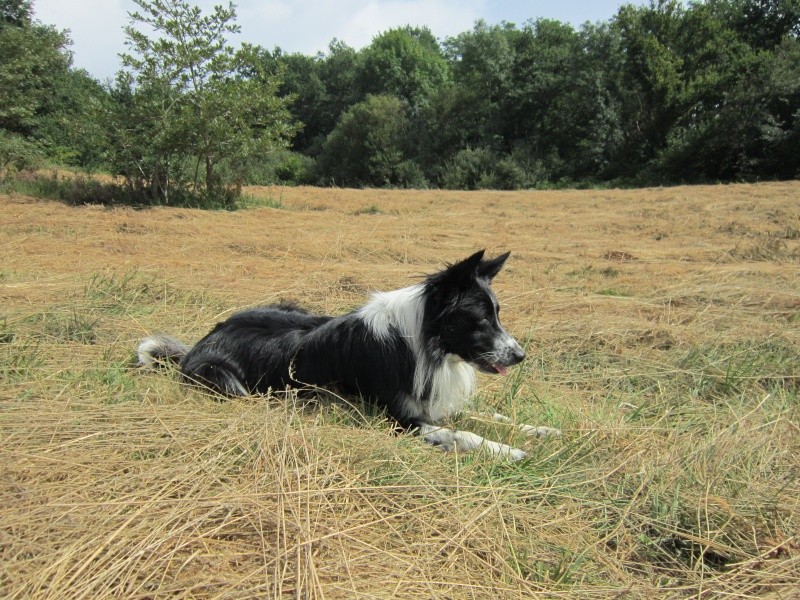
489 268
465 271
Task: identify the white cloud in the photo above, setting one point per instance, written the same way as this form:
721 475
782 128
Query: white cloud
308 26
442 17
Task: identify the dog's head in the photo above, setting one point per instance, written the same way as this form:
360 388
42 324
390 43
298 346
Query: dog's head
462 316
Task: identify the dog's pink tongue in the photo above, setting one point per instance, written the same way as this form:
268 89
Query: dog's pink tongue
500 369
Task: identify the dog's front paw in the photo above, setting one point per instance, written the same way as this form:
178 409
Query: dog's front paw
516 454
540 431
443 446
503 451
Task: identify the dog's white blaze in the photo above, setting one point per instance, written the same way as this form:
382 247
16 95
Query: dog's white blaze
452 383
401 309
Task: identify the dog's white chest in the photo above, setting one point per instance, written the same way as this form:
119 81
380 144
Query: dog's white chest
452 384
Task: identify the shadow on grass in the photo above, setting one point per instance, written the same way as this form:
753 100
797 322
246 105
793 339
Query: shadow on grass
78 190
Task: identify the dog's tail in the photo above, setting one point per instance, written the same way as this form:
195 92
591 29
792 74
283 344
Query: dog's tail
160 349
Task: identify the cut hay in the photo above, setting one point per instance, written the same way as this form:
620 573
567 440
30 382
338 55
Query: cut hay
663 333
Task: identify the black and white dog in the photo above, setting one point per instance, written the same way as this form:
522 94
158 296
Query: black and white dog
412 351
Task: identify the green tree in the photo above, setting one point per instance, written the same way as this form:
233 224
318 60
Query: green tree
319 90
462 141
368 147
304 87
191 109
782 159
482 63
17 13
71 127
407 63
598 107
33 58
760 23
705 97
709 60
537 101
339 71
31 55
653 83
541 111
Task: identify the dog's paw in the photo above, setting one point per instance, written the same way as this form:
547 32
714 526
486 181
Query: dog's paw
540 431
503 451
516 454
443 446
466 441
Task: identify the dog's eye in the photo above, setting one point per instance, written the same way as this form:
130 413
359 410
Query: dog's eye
478 320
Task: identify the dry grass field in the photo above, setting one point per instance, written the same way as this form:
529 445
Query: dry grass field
663 335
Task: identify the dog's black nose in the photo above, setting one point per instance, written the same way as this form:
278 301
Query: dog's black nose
517 355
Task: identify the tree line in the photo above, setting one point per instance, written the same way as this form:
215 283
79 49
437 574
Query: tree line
666 93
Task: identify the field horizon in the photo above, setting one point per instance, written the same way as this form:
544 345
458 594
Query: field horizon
662 328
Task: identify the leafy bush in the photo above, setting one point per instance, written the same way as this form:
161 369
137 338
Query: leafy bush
281 167
367 147
480 168
17 153
469 169
410 175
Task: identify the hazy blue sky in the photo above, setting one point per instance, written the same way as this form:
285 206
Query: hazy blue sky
307 26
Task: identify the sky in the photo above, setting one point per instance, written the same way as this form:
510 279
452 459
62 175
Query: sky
306 26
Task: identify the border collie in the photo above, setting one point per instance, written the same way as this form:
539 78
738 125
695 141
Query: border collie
412 351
